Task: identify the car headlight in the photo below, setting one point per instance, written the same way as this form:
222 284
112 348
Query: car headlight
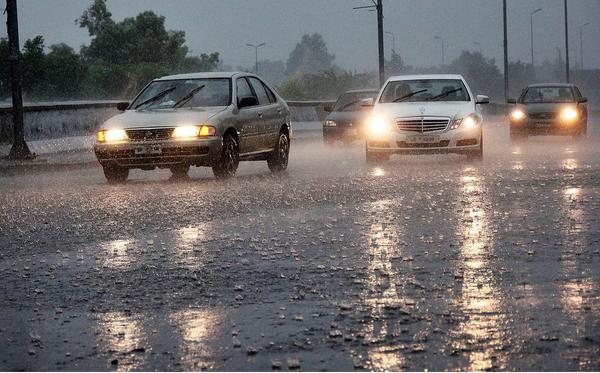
517 114
112 136
470 121
378 125
569 114
190 132
330 123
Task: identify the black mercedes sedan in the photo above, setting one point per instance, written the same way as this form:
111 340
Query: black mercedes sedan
345 118
549 109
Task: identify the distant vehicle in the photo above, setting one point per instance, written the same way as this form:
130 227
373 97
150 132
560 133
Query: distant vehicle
347 116
418 114
202 119
549 109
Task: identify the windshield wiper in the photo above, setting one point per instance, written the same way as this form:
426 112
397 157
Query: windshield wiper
349 104
444 94
402 98
189 96
156 97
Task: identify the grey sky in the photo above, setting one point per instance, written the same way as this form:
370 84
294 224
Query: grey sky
227 25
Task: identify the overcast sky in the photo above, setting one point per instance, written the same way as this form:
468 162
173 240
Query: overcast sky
227 25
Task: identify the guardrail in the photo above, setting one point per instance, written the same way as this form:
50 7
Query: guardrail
47 120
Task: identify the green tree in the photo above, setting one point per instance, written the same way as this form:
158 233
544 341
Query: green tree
483 74
65 72
309 56
34 66
96 18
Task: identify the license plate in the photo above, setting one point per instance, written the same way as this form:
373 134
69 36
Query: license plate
422 139
543 125
148 150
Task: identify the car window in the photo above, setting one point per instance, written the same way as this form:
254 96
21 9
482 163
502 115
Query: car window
272 97
162 94
424 90
548 95
578 93
351 101
243 89
259 88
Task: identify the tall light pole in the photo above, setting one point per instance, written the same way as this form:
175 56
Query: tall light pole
378 5
443 47
505 47
531 25
567 67
19 149
581 43
393 40
256 54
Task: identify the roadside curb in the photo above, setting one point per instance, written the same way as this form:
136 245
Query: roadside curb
20 168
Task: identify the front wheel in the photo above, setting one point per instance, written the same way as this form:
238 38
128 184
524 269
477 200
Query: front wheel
278 161
376 158
115 174
227 165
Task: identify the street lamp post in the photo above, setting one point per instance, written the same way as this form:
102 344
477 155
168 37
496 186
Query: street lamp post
378 6
393 40
256 54
531 25
581 44
443 47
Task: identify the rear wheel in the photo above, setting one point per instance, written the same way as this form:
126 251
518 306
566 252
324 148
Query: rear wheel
227 165
180 171
278 161
115 174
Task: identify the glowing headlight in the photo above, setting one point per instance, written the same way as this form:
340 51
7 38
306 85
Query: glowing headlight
330 123
186 132
517 114
112 136
469 121
569 114
378 125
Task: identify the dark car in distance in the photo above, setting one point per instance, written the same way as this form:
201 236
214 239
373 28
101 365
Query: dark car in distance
549 109
346 117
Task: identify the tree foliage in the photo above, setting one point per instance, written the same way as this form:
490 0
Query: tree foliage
310 56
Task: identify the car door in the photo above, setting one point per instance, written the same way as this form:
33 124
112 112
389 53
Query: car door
271 113
248 118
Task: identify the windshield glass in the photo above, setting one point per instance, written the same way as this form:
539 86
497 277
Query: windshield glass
548 95
351 101
164 94
424 90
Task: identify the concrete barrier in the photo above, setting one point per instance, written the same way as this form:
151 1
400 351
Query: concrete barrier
80 118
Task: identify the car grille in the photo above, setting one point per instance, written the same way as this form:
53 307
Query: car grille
543 115
422 124
149 134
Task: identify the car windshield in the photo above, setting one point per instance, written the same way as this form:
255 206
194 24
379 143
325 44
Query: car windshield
351 101
424 90
548 95
166 93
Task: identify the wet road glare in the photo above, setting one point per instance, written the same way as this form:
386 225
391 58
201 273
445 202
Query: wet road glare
424 262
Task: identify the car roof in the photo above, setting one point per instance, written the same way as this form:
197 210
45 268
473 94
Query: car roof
426 77
551 85
208 75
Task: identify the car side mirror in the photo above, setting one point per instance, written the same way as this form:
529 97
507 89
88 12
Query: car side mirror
512 101
327 109
122 106
482 100
582 100
367 102
247 101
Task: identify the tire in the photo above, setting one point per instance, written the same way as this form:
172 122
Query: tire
180 171
115 174
477 155
278 161
517 135
227 165
328 140
581 134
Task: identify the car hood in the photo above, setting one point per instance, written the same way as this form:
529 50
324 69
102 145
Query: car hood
425 109
161 118
347 116
546 107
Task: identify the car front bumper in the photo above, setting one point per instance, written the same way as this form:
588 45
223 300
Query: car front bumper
461 140
340 132
162 154
547 127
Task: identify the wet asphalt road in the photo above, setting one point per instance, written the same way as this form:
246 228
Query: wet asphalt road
427 262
